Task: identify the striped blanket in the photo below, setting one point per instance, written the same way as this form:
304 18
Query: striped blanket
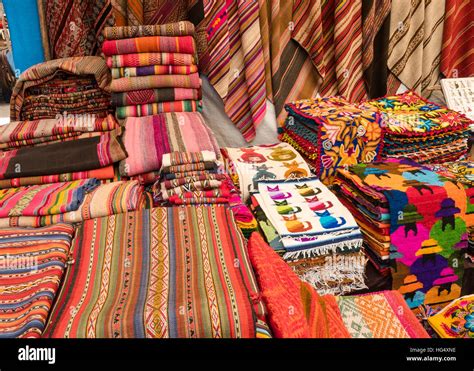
78 155
148 138
150 109
155 274
153 70
46 199
24 133
156 81
32 265
100 174
171 29
147 96
149 44
150 59
106 199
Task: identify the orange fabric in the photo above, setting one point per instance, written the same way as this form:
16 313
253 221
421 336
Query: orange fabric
295 309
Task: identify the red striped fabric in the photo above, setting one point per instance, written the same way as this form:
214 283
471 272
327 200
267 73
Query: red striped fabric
457 54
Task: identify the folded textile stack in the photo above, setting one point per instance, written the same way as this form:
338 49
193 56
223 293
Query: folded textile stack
154 69
319 238
421 130
148 139
414 221
71 202
32 262
166 260
37 144
248 165
377 315
332 133
75 86
463 172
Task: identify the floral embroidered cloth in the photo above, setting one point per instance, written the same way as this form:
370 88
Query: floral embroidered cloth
456 320
332 133
417 220
421 130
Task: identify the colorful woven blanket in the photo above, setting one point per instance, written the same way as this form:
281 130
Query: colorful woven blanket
65 157
247 166
163 264
191 81
456 320
150 59
153 70
24 133
147 96
425 218
320 239
170 29
148 138
44 72
100 174
47 199
106 199
32 262
152 109
332 133
421 130
379 315
150 44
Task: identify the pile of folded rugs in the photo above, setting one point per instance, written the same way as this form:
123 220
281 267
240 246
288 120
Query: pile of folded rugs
61 168
332 133
421 130
313 232
154 69
415 221
73 86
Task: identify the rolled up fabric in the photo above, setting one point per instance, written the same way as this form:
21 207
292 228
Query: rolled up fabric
147 44
150 59
156 108
155 81
146 96
153 70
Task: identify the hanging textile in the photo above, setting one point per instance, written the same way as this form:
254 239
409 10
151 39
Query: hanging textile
236 61
74 27
375 38
311 47
416 37
457 53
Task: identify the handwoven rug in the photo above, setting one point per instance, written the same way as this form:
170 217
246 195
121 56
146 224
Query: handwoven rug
155 274
32 262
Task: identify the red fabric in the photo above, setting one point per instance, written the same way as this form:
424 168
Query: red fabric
295 310
457 54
